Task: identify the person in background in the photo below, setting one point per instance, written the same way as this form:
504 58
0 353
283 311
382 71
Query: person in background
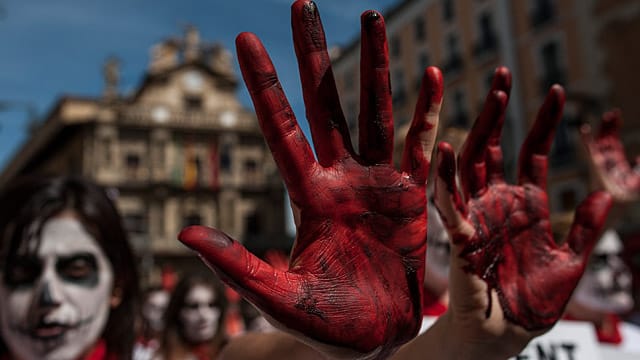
154 303
604 294
194 321
68 286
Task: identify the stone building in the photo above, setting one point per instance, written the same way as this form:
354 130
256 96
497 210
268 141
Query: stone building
179 150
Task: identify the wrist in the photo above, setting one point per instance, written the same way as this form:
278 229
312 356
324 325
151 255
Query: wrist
463 340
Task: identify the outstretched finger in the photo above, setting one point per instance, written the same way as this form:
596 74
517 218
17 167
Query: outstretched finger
532 165
327 123
451 206
421 136
494 158
589 222
287 142
376 114
473 172
263 285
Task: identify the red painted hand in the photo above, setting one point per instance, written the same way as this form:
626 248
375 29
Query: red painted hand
356 270
608 159
501 232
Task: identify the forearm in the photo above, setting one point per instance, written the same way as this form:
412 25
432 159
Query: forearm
445 340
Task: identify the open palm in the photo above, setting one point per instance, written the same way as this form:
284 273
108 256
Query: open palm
357 266
501 232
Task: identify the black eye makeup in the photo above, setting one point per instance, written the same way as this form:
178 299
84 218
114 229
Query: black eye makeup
79 268
23 271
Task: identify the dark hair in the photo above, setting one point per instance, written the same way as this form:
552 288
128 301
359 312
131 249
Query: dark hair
173 345
31 201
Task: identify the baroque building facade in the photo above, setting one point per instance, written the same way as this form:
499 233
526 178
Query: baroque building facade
180 150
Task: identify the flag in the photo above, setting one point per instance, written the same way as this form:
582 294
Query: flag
190 179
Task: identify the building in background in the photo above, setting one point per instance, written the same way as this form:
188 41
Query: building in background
588 46
180 150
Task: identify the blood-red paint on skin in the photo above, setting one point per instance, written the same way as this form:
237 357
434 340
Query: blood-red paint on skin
357 266
512 248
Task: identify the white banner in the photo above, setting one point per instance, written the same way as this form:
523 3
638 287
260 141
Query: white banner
568 340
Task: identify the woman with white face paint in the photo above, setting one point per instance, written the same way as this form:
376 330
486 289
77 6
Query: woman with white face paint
194 321
154 303
68 281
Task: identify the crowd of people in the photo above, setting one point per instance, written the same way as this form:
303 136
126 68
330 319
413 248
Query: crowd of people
378 248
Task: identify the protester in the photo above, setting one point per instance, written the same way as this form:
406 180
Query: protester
154 303
194 321
69 283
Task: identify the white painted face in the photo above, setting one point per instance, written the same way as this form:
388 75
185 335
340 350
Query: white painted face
438 248
200 315
606 283
54 305
153 309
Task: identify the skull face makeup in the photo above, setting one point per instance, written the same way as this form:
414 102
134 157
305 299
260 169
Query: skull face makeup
200 315
153 309
438 251
55 304
606 283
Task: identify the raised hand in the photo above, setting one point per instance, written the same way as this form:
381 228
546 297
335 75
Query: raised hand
356 271
607 157
509 279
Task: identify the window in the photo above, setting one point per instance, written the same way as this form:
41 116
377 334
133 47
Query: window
459 117
250 165
132 161
135 223
225 158
395 46
542 12
563 150
454 60
487 41
252 224
192 219
423 63
192 103
552 70
420 29
398 95
448 10
132 164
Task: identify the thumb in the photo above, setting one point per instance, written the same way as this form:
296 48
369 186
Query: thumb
265 286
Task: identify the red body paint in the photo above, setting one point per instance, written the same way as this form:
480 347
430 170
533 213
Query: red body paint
511 247
357 267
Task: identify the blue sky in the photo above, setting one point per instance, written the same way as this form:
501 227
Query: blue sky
55 47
